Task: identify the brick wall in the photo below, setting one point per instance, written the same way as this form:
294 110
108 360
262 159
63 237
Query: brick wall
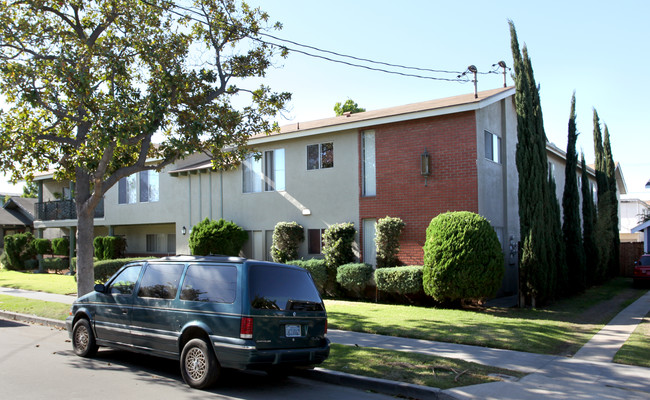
401 192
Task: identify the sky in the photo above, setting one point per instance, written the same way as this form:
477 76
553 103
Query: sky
599 49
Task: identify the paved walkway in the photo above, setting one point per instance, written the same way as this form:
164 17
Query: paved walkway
589 374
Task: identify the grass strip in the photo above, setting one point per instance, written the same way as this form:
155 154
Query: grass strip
40 308
636 350
560 329
51 283
419 369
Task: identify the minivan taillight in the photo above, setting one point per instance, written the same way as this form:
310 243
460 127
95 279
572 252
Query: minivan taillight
246 331
325 327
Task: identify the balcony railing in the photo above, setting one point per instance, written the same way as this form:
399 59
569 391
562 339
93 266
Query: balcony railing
62 209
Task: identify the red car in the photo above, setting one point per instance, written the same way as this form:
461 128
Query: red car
642 270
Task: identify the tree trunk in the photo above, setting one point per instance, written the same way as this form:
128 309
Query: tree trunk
85 234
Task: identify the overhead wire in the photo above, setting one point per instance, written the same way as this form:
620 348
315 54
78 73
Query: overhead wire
461 76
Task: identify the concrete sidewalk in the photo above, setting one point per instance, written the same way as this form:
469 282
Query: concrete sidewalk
589 374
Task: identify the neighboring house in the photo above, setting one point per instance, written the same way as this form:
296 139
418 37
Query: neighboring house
16 216
632 210
413 162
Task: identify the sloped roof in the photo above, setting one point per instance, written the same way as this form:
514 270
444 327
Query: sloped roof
424 109
18 211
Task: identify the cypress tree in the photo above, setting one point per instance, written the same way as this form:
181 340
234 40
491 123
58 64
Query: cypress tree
571 230
558 275
602 232
610 175
588 226
533 185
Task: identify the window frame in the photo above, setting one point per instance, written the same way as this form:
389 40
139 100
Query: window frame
137 188
325 157
266 173
492 143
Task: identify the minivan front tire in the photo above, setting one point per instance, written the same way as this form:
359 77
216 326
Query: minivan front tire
199 365
83 339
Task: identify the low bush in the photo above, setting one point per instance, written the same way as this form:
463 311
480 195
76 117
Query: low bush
61 246
217 237
354 277
42 246
400 280
106 268
55 264
318 270
287 237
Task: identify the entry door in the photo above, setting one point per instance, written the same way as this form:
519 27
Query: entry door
369 248
258 245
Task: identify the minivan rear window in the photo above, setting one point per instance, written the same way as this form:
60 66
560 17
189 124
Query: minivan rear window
216 283
279 288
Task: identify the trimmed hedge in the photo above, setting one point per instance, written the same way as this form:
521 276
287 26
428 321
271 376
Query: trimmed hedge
19 249
463 259
106 268
388 231
55 264
42 246
400 280
287 237
61 246
354 277
318 270
109 247
217 237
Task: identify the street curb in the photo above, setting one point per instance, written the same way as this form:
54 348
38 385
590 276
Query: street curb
385 386
54 323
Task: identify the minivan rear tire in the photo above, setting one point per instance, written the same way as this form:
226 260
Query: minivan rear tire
199 366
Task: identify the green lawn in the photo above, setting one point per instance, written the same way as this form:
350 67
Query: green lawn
39 308
636 351
419 369
51 283
559 329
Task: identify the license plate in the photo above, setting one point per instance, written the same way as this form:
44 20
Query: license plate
292 331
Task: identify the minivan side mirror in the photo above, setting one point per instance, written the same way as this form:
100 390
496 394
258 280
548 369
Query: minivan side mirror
100 288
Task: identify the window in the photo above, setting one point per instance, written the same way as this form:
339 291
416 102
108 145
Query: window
161 281
492 147
368 163
148 183
124 283
161 243
210 283
279 288
315 240
320 156
265 173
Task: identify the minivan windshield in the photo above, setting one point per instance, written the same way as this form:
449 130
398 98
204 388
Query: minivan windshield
279 288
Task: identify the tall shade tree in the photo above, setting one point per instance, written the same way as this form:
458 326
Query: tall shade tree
533 183
571 229
588 225
89 83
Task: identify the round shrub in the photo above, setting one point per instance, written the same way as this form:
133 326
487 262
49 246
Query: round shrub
462 258
19 249
354 277
400 280
217 237
337 244
61 246
42 246
287 237
388 231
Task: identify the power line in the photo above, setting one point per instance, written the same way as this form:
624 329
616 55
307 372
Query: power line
461 78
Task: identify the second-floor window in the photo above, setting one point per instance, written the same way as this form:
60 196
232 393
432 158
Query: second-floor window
492 147
143 187
320 156
265 173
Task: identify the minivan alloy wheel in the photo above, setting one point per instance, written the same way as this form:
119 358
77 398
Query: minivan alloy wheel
199 365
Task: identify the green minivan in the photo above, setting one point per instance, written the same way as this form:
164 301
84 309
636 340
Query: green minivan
208 312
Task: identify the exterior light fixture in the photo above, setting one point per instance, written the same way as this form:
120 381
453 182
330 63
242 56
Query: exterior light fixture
424 166
184 230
